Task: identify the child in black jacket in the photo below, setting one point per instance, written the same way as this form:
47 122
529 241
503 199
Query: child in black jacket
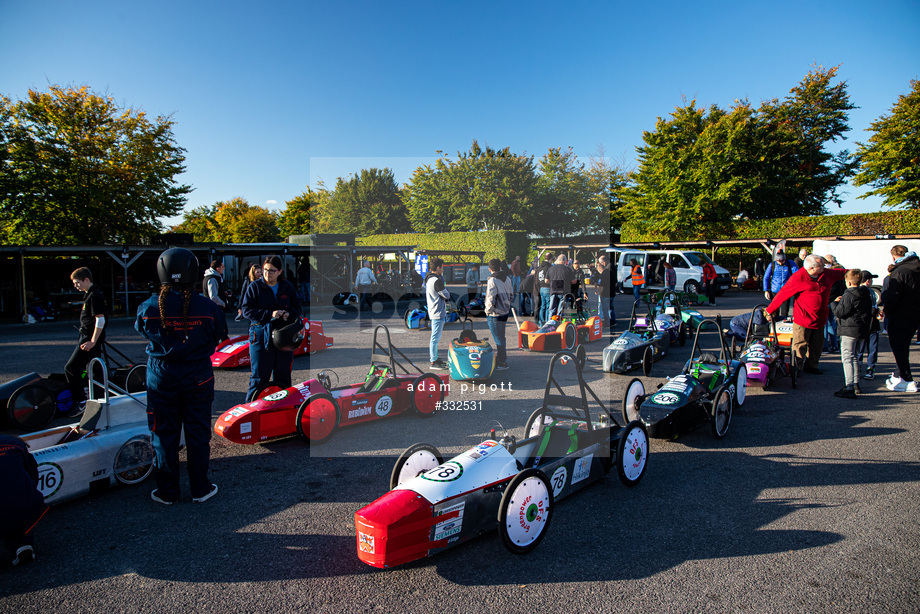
853 311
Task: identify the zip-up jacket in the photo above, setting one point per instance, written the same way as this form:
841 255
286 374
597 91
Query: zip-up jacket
811 296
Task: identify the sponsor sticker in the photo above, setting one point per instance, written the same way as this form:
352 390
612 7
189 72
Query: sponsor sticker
234 347
238 411
582 468
450 527
365 542
482 450
357 413
246 427
383 406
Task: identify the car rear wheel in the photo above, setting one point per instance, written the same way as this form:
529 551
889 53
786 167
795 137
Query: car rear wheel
317 418
632 453
31 407
741 386
415 461
721 413
427 394
134 460
635 395
648 357
569 336
136 380
525 511
534 422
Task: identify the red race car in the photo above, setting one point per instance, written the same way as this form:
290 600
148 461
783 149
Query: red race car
316 408
234 352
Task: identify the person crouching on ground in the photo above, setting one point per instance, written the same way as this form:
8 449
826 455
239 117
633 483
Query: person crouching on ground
183 329
498 304
853 311
22 505
270 301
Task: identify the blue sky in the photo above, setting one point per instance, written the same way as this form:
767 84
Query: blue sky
272 97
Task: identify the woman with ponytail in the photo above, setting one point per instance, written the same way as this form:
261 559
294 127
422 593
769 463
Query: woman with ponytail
183 329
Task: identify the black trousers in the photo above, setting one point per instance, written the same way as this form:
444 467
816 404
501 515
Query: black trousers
75 367
900 333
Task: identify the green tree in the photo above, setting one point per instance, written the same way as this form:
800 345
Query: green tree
232 221
367 203
890 162
571 199
75 168
296 217
484 189
702 168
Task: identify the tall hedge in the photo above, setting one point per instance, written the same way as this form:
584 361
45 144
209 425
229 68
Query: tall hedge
504 245
885 222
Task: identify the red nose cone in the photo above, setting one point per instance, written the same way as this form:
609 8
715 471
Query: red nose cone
394 529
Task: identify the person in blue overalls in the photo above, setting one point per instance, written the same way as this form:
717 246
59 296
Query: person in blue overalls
269 301
22 505
184 329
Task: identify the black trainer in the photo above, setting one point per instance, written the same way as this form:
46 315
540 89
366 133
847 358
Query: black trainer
845 393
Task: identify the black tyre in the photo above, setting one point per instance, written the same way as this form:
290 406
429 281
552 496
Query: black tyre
136 380
415 461
427 394
525 511
632 453
134 460
31 407
569 336
692 287
721 412
581 354
635 395
317 418
682 334
648 357
265 390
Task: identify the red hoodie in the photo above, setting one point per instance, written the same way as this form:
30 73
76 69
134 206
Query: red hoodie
811 296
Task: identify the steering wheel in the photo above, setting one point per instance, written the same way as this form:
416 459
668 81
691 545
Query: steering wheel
326 379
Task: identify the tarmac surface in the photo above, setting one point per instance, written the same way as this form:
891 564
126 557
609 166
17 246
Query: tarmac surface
809 504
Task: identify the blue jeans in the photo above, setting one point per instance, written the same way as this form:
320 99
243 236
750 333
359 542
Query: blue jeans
871 349
497 328
268 366
606 311
437 327
545 312
557 303
636 291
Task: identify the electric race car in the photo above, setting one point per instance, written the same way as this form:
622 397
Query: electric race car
234 352
557 334
761 353
316 408
505 484
704 392
109 445
470 358
644 341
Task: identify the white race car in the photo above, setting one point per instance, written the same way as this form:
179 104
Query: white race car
110 445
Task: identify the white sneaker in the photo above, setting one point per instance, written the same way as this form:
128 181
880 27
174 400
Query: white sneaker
892 381
911 387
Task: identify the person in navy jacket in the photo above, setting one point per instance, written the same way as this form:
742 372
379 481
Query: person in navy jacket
269 301
21 504
183 329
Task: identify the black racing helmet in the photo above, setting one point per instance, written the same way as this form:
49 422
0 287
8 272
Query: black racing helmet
286 337
177 265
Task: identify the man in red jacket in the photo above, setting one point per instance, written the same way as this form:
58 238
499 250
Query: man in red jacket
811 287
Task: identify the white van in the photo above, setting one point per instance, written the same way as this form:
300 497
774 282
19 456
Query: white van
687 264
873 255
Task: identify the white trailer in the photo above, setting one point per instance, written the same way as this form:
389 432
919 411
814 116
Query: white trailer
873 255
